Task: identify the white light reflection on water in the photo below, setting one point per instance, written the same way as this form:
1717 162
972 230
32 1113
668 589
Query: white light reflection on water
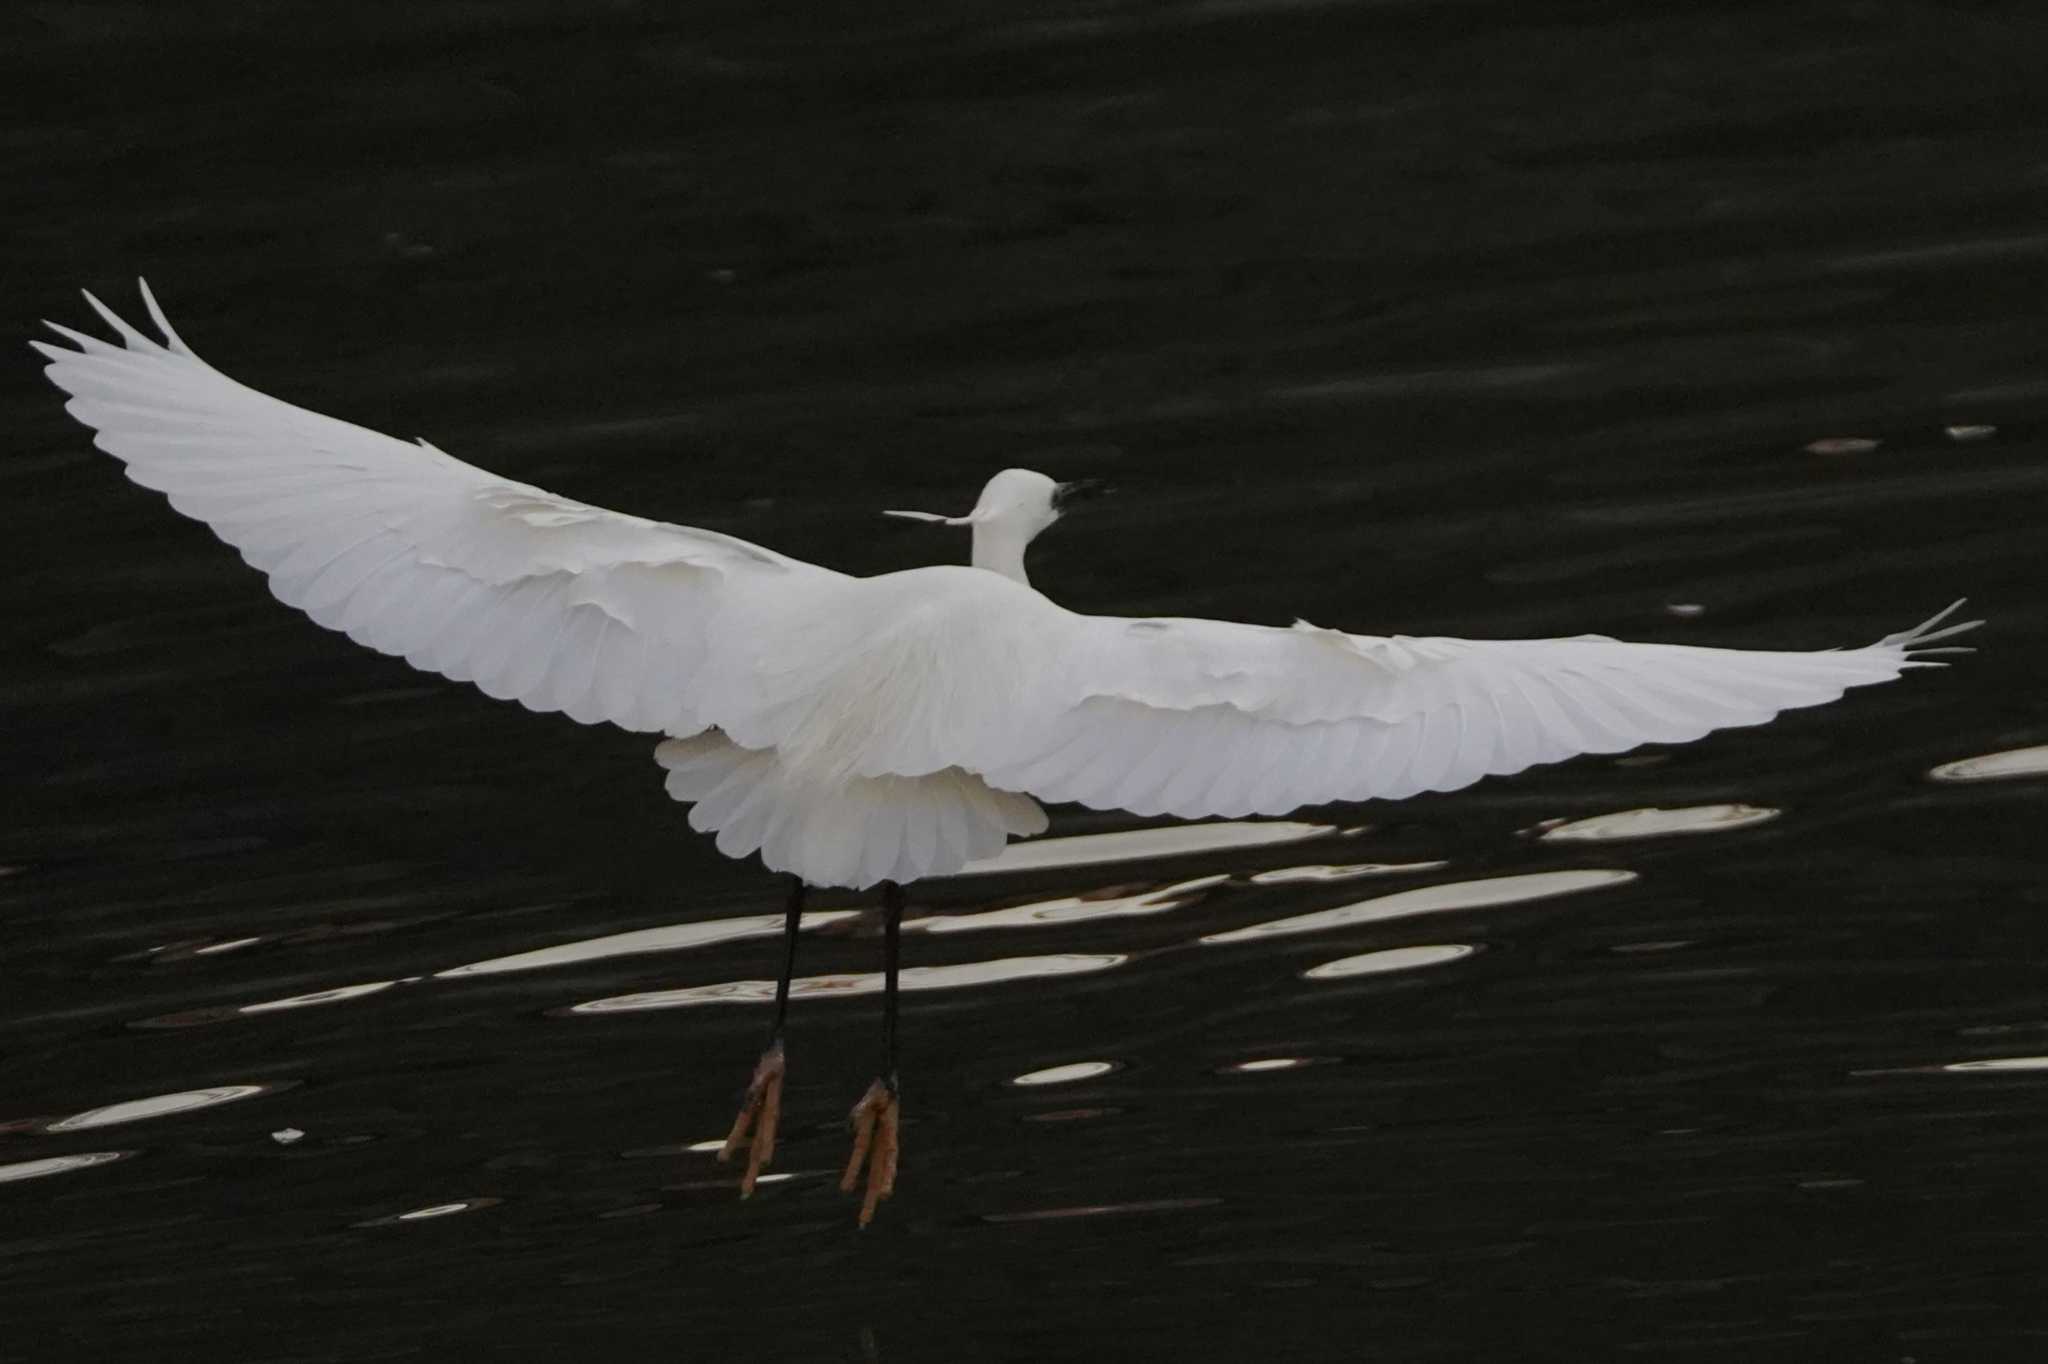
1990 1065
1070 909
861 983
57 1165
1393 959
213 949
318 997
1652 822
2000 1063
1067 1074
2013 762
1101 1210
432 1212
157 1106
668 938
1455 895
1085 850
1285 876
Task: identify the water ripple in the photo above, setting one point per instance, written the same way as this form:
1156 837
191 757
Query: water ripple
1081 850
432 1212
1499 890
669 938
315 998
1067 1074
913 978
1285 876
1070 909
158 1106
1101 1210
57 1165
2013 762
1261 1065
1653 822
1393 959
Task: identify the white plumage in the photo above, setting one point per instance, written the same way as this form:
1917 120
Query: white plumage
856 730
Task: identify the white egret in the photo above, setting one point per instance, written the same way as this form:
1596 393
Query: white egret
856 731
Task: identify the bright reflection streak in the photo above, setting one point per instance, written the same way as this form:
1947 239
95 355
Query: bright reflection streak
669 938
864 983
432 1212
1651 822
1393 959
1101 1210
318 997
1135 844
229 946
1066 1074
1499 890
57 1165
2013 762
1282 876
1069 909
2001 1063
158 1106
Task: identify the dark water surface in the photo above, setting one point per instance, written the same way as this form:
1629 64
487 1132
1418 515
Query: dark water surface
1480 318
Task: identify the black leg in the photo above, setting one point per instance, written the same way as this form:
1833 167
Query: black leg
877 1118
792 920
761 1109
892 905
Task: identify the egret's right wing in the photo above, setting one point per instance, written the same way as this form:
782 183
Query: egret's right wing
560 605
1202 717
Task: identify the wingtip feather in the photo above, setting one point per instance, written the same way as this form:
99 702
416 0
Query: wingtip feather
134 338
156 315
1925 633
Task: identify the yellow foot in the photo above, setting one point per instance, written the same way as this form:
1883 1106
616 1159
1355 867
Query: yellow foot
760 1110
877 1119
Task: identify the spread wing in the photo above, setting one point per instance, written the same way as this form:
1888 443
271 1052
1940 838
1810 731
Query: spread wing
613 617
531 596
1200 717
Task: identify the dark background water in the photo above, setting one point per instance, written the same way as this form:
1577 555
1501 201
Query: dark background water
1441 317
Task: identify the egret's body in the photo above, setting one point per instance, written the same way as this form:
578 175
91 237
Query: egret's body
856 731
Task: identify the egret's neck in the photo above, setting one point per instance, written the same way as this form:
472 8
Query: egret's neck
999 548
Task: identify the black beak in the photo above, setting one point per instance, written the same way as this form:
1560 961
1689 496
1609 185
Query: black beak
1080 490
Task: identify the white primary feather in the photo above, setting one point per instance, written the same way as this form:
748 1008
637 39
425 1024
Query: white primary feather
854 730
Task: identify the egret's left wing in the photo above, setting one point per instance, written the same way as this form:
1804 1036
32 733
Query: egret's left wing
1201 717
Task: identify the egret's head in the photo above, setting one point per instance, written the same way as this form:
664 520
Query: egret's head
1014 507
1021 502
